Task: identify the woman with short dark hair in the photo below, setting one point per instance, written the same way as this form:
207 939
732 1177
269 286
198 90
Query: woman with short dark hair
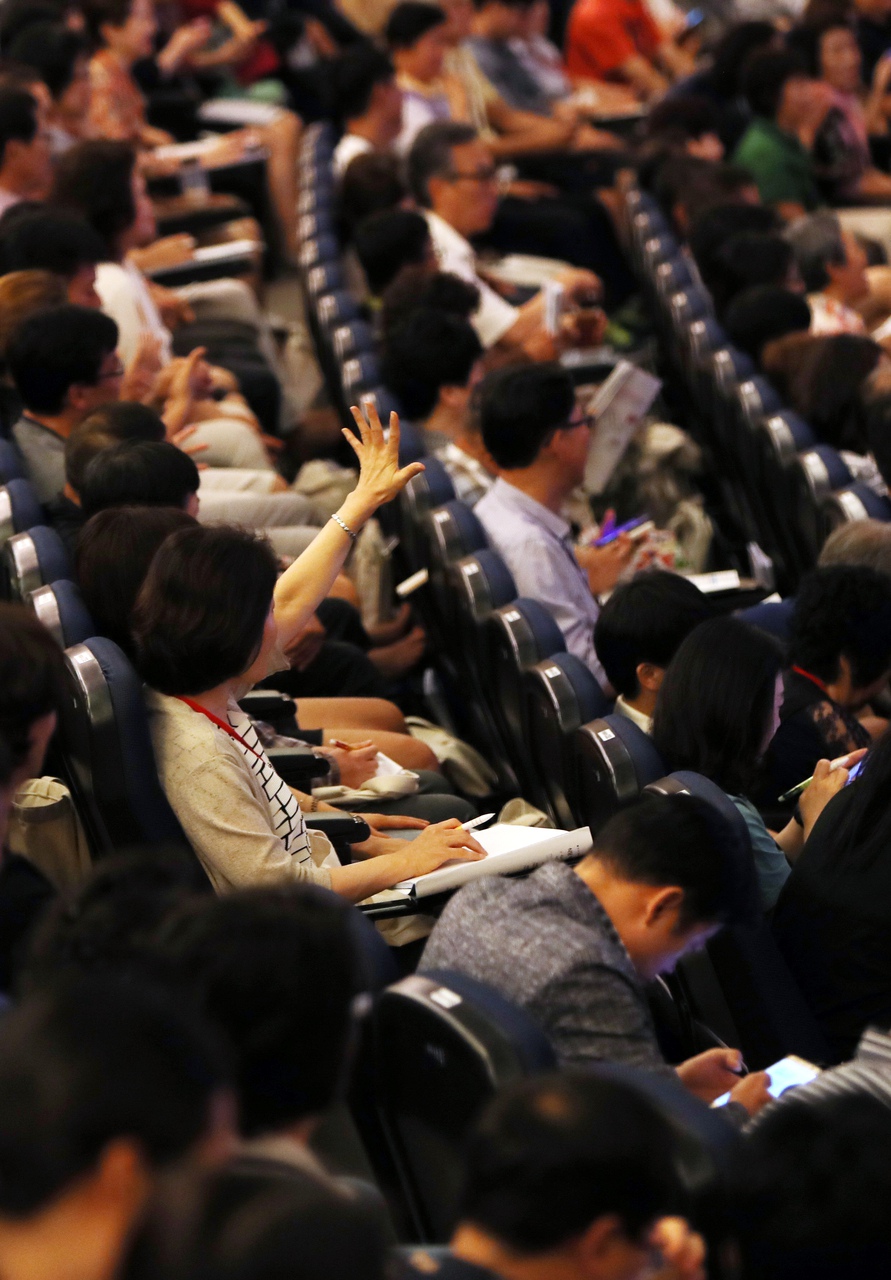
716 713
211 621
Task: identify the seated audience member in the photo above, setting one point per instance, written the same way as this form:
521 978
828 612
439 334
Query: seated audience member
833 265
367 103
842 157
64 364
839 658
809 1194
720 80
388 241
575 947
865 542
101 182
784 104
417 40
103 1086
431 364
415 289
254 1226
453 179
113 554
637 634
276 972
569 1175
57 241
758 317
372 183
712 229
538 438
716 712
61 57
139 473
687 187
205 631
32 692
677 126
605 43
22 293
25 160
832 918
834 383
749 261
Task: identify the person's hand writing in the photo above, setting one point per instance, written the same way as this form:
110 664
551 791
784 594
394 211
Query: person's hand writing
683 1250
357 763
827 783
604 565
440 843
712 1073
380 476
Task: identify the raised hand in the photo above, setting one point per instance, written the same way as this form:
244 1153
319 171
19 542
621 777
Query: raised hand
380 476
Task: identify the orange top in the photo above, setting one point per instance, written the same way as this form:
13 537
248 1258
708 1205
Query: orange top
602 34
117 109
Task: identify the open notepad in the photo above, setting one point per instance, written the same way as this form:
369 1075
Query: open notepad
508 850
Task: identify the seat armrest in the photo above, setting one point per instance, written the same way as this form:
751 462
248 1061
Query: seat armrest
340 827
297 765
275 708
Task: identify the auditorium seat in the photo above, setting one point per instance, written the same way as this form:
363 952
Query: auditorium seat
615 761
561 695
854 502
773 616
60 607
19 508
11 465
443 1045
34 558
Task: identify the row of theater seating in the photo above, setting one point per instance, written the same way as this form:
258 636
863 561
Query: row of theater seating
780 487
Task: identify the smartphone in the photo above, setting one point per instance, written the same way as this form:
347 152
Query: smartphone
855 772
788 1073
627 527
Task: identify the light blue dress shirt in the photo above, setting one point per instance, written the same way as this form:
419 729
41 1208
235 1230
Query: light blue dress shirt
536 546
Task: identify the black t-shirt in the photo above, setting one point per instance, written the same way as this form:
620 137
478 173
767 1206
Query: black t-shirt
25 893
833 925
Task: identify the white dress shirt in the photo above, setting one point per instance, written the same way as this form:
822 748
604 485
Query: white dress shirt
494 315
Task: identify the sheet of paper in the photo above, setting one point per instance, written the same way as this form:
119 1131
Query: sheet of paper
508 851
619 406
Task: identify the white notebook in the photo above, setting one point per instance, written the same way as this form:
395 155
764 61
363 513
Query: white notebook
619 407
508 850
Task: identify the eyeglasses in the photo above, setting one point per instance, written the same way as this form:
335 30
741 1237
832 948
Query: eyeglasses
489 174
585 420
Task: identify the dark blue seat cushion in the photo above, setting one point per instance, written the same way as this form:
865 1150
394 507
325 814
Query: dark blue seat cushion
548 636
74 616
532 1046
592 701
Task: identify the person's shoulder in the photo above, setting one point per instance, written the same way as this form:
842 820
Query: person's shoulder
183 738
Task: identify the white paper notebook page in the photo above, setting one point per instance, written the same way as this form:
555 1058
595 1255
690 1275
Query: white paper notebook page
505 846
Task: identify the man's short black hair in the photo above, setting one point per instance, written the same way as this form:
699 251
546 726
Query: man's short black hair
388 241
748 261
682 840
410 20
764 79
52 50
56 349
686 115
200 614
431 155
275 970
842 611
32 678
94 179
138 473
88 1062
51 240
645 620
712 229
18 118
371 183
120 420
352 78
521 408
416 289
811 1191
764 313
428 351
553 1154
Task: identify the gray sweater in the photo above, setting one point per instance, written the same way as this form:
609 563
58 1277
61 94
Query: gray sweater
547 945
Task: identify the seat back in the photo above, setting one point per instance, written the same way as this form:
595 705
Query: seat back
61 609
108 751
34 558
773 616
855 502
432 488
615 761
19 508
443 1045
11 465
453 531
561 696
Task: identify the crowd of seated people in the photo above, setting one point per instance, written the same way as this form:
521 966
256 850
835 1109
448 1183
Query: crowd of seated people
295 690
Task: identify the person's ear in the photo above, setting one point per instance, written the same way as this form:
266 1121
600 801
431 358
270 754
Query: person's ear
649 676
121 1175
436 186
663 906
601 1251
78 397
453 397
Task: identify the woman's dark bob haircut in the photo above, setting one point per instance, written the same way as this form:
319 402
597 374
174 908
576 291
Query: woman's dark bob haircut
200 614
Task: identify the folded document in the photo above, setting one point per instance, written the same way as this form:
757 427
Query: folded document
508 850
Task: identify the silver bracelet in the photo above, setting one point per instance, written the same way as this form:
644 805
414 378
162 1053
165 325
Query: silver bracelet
346 528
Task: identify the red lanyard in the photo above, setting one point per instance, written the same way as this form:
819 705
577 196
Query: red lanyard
821 684
221 724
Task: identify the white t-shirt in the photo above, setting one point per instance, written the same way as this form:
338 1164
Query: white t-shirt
350 146
494 315
125 296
